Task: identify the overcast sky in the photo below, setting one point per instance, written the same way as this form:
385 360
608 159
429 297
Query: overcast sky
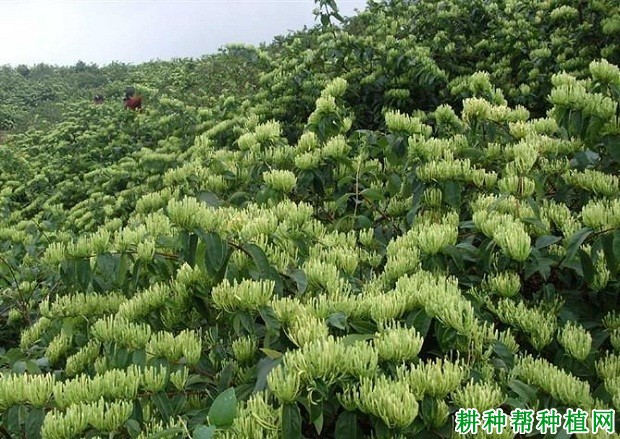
101 31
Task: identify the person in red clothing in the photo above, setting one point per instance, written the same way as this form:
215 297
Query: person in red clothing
132 101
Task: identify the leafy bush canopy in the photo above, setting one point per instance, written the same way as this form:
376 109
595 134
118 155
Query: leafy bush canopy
352 232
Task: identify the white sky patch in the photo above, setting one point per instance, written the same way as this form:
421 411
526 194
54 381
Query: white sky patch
102 31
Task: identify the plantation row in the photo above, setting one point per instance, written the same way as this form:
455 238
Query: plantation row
414 213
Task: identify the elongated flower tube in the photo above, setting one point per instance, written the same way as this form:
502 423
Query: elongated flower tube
190 214
608 367
32 334
601 214
107 416
336 88
432 238
521 187
481 396
284 384
392 401
401 123
506 284
77 362
153 379
179 378
59 425
25 389
559 384
576 340
247 295
540 324
244 349
58 347
436 378
143 303
397 344
514 241
280 180
119 330
306 328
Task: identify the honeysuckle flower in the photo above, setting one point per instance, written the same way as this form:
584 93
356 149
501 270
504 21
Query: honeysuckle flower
576 340
434 237
280 180
120 330
77 362
598 182
307 142
539 324
107 416
244 349
505 284
153 379
392 401
514 241
190 214
401 123
245 295
59 425
608 367
80 304
601 214
604 72
335 148
179 378
32 334
481 396
436 378
284 384
336 88
397 344
559 384
306 328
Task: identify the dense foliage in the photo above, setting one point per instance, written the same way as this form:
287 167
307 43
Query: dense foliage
352 232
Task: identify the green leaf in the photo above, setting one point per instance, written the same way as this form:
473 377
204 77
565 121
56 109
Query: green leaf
372 194
362 222
546 241
209 198
338 320
351 339
505 354
452 193
616 245
429 410
574 243
169 432
34 422
446 336
224 408
203 432
525 391
300 279
420 321
346 426
133 427
83 273
162 402
262 263
291 422
263 368
216 252
274 355
587 266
